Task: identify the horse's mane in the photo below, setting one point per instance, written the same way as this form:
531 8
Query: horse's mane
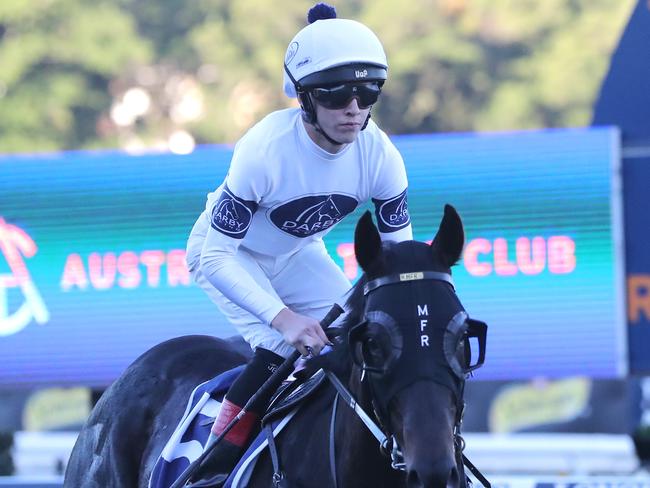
338 360
354 304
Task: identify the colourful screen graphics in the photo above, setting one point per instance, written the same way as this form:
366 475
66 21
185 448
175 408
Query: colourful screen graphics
92 268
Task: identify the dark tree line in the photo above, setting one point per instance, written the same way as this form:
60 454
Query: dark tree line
138 73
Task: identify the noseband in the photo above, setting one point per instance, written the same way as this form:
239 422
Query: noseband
387 440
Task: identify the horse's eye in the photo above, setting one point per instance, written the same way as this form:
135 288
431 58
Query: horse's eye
374 352
380 347
369 352
376 343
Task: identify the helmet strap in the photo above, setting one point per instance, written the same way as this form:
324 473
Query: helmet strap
309 114
365 124
320 130
309 110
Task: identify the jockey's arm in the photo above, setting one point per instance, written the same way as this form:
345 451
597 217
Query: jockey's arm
221 268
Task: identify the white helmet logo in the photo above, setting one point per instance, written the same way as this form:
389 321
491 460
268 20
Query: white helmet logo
361 73
291 52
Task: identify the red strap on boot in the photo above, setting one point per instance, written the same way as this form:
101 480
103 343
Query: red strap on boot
239 434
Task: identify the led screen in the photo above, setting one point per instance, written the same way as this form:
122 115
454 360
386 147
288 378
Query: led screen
92 245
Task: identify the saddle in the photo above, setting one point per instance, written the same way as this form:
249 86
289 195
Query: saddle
291 394
283 406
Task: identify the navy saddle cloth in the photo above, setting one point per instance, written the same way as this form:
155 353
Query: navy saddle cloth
188 439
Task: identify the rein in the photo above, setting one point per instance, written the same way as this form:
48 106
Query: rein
387 444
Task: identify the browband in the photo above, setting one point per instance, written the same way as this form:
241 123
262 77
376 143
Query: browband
403 277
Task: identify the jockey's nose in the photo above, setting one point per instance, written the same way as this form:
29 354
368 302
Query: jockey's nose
353 106
439 475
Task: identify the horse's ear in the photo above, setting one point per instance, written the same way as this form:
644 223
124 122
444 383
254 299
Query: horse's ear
367 243
450 238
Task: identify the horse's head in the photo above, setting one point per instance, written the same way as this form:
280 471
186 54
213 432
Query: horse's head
408 337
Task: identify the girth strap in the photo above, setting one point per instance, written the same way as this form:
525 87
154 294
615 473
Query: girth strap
279 481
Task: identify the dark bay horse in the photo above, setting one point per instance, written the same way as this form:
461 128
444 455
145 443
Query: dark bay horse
402 351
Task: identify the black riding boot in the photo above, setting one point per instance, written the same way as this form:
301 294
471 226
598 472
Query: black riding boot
217 466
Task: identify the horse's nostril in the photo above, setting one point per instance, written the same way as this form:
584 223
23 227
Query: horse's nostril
452 481
441 478
413 480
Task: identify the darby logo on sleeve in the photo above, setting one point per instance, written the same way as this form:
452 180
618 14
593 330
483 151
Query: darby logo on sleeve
392 214
232 215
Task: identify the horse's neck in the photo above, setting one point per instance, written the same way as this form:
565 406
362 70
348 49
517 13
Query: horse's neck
360 462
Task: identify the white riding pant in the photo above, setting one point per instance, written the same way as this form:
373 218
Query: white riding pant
308 281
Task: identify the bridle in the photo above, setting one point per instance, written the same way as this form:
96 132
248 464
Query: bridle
387 441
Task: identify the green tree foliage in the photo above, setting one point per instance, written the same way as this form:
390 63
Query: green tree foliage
494 64
137 73
57 60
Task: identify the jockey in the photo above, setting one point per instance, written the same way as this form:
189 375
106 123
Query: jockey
257 250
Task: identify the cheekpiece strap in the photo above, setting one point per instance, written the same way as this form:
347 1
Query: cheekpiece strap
404 277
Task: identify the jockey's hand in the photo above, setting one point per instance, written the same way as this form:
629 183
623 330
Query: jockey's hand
300 331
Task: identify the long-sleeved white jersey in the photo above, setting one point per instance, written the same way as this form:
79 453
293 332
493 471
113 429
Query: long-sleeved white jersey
282 192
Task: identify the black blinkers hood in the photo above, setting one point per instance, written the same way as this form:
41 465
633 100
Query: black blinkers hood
432 332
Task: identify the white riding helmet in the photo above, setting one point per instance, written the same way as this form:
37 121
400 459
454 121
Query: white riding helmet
346 45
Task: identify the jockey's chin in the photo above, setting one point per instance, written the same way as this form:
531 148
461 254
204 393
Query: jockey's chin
343 124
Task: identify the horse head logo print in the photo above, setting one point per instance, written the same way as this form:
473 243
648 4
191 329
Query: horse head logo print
232 215
226 209
306 216
393 213
14 245
318 213
401 210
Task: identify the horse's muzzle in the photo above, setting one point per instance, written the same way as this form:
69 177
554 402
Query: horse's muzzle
440 475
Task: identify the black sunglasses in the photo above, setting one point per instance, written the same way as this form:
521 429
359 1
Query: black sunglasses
336 97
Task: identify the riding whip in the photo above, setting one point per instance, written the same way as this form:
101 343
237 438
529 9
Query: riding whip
268 387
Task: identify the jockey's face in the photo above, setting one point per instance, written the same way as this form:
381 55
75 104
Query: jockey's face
342 125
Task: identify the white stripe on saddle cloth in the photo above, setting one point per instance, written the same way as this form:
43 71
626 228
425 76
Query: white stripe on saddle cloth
164 472
174 449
